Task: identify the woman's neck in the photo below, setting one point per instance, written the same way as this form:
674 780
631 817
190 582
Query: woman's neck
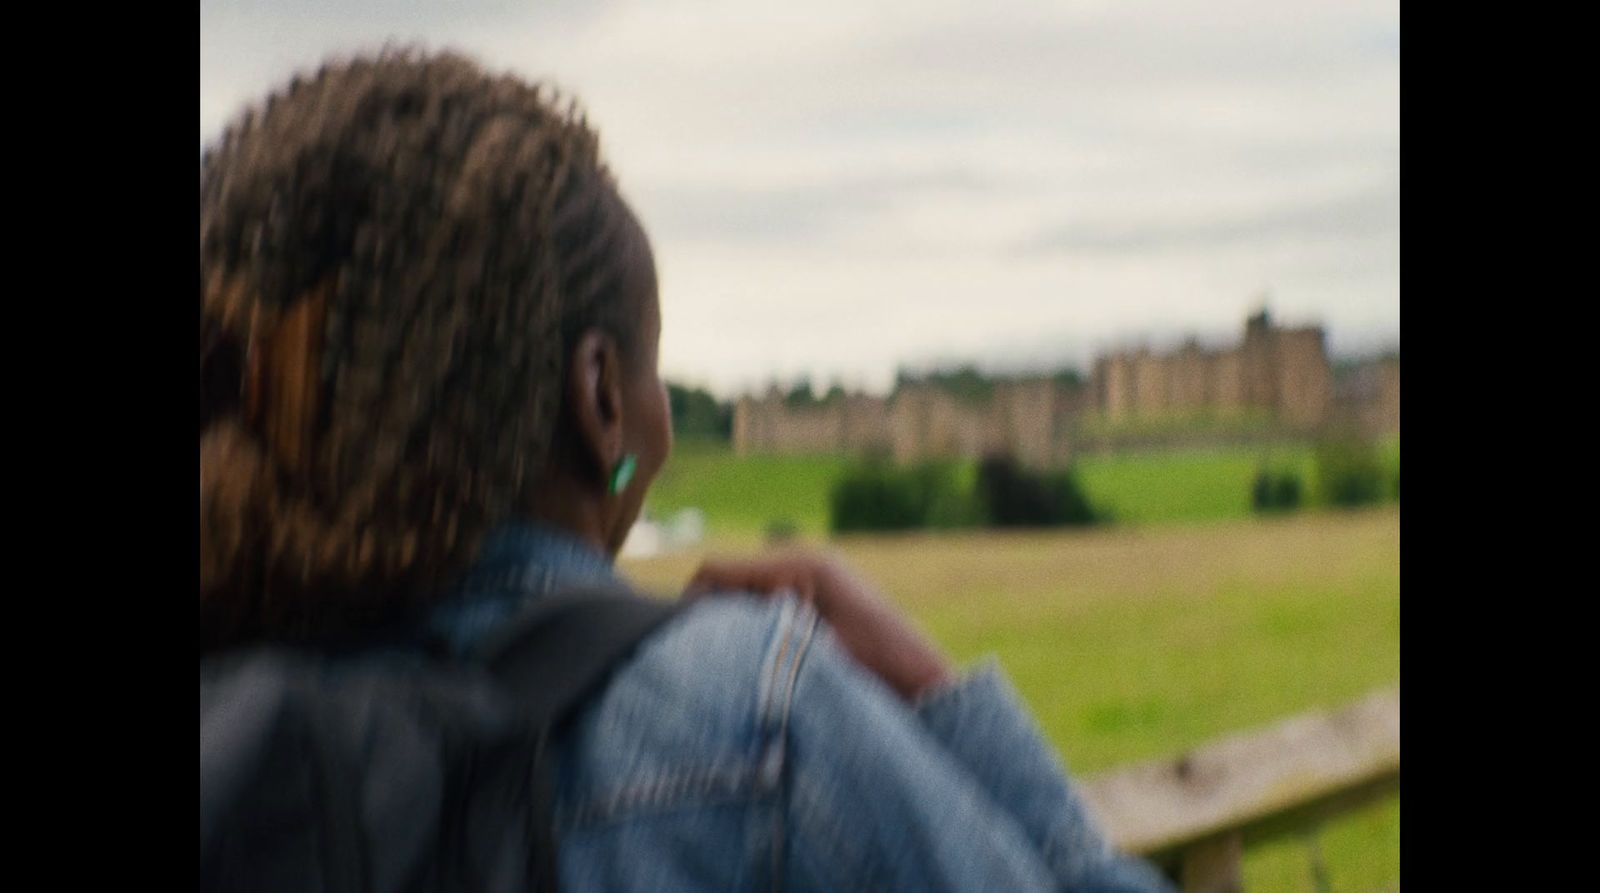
569 508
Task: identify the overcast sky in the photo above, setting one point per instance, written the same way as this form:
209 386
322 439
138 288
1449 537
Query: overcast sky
840 188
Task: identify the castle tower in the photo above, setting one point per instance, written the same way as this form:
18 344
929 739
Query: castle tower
1258 361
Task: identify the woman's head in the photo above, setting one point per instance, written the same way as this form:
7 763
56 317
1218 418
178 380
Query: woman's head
425 310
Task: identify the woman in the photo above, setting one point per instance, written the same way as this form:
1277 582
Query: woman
430 398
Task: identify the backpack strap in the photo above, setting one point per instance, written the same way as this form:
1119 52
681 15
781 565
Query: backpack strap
274 755
556 655
564 648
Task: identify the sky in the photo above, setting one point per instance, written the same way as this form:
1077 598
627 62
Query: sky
838 189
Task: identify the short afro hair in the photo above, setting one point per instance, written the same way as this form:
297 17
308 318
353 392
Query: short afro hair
395 255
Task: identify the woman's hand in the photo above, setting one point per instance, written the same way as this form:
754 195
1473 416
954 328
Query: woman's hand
867 625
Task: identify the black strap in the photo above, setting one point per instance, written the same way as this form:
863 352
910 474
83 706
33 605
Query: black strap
553 657
564 647
338 780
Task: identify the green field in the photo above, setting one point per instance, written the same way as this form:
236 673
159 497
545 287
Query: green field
741 496
1132 642
1190 485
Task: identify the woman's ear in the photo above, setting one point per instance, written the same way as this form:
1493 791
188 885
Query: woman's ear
594 391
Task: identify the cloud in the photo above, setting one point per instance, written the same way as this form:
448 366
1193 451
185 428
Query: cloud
837 187
1354 216
710 211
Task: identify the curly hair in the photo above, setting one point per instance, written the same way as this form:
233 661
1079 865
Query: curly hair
396 256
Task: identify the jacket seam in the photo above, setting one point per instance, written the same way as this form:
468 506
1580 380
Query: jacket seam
779 829
770 694
801 651
667 791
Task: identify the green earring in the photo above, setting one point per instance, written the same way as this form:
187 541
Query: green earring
623 473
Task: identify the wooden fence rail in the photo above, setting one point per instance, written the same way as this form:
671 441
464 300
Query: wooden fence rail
1194 814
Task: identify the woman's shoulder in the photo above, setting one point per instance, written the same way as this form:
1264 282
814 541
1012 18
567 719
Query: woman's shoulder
713 678
725 654
693 718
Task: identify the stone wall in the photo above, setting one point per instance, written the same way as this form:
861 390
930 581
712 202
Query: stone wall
853 423
1284 373
1368 399
1024 418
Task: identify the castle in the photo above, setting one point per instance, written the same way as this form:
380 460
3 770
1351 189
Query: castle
1284 372
1027 418
1281 374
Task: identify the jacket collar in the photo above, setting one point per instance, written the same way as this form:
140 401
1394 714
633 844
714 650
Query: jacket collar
519 563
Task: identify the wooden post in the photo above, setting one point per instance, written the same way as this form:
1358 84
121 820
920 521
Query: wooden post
1261 784
1213 866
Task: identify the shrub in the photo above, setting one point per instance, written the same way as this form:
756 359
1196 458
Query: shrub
878 496
1349 472
1287 492
1016 497
1275 491
953 500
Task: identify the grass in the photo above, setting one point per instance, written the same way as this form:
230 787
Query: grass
742 495
1186 485
1136 642
1241 423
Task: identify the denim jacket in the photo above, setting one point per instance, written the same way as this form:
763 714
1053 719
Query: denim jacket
741 748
